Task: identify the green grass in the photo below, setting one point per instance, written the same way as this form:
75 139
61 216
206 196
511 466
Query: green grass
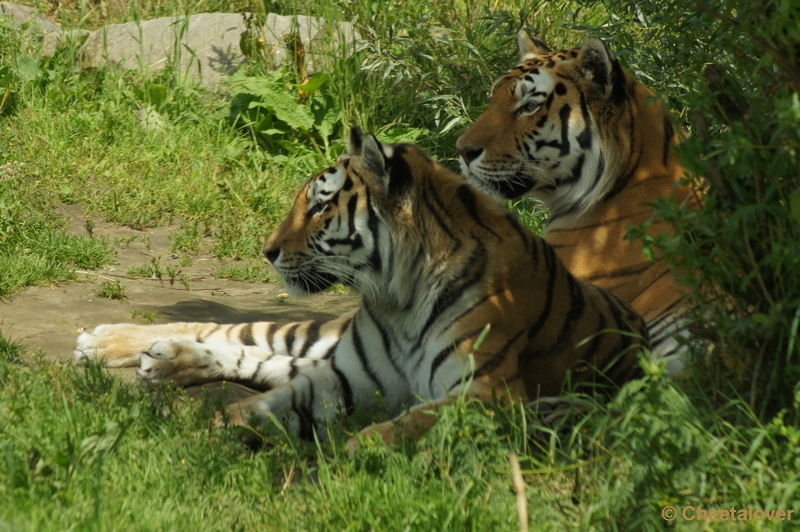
147 316
112 290
77 135
251 272
34 247
81 450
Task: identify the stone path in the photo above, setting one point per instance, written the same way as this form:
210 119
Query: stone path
49 318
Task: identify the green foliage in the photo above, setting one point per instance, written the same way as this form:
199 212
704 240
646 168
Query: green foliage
152 269
34 248
147 316
282 116
249 272
740 253
10 351
187 240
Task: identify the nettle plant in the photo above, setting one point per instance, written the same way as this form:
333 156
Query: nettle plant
286 118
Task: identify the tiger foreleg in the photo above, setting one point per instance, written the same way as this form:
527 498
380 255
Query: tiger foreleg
185 362
304 404
409 425
122 344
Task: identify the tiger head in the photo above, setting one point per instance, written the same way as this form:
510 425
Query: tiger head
556 128
334 230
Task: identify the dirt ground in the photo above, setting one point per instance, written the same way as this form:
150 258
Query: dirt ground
50 318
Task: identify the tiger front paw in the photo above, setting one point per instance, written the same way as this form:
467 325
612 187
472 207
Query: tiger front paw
243 413
114 345
177 361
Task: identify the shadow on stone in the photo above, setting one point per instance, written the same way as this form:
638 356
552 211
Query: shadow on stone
205 311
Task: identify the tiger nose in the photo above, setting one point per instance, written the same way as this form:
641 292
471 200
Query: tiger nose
469 154
272 254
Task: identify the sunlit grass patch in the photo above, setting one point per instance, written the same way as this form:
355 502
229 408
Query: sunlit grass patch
35 249
252 272
112 290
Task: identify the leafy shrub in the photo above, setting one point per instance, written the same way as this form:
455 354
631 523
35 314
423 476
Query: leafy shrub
730 69
284 117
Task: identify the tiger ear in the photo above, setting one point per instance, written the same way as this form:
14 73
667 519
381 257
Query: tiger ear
355 141
530 45
372 157
599 65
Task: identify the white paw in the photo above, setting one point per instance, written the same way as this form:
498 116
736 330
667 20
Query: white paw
178 361
170 350
86 348
115 345
150 370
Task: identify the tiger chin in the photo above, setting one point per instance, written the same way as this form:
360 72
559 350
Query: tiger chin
437 262
574 130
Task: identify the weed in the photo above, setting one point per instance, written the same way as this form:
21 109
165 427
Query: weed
145 270
339 289
150 269
187 240
112 290
172 273
123 241
251 272
147 316
10 351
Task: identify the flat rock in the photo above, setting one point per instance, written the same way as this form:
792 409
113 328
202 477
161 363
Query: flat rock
20 15
56 39
206 46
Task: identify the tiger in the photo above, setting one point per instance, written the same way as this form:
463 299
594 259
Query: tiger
446 277
574 130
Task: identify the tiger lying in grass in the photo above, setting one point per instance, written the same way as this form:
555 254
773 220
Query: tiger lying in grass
436 262
573 129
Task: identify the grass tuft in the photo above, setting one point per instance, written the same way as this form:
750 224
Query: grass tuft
112 290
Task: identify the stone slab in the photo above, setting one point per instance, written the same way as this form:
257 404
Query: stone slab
20 14
208 46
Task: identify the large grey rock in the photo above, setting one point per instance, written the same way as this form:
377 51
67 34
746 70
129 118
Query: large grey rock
208 44
19 15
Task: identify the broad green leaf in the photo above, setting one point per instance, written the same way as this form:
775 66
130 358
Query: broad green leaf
157 94
272 132
327 114
407 135
314 83
27 67
285 107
